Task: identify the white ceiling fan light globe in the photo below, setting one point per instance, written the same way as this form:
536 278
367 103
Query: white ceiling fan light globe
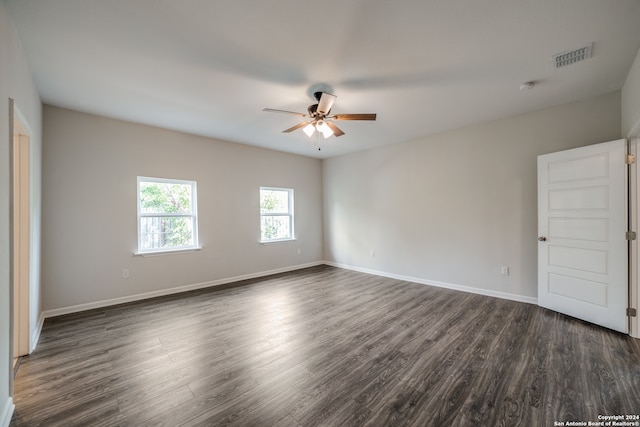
309 129
327 132
321 126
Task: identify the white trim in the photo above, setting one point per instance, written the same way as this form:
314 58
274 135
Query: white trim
7 412
163 292
455 287
268 242
289 214
170 291
35 336
634 212
167 251
193 215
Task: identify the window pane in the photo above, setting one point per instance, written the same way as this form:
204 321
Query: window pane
274 201
165 232
162 197
275 227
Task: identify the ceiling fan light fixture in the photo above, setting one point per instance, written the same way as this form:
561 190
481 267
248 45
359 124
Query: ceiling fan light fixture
327 133
317 115
321 126
309 129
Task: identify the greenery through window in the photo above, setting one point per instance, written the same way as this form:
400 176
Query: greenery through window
276 214
166 215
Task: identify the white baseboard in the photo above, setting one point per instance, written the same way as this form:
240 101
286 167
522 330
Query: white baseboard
186 288
480 291
163 292
7 413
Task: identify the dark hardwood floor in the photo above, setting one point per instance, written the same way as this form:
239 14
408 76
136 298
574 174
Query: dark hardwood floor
325 346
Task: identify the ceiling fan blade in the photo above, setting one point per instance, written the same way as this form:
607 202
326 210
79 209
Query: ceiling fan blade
336 130
296 127
353 117
271 110
326 102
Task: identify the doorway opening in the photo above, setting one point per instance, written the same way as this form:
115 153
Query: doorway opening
20 230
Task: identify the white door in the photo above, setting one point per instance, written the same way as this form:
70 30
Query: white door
582 224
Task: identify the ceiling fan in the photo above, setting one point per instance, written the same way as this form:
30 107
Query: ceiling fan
319 118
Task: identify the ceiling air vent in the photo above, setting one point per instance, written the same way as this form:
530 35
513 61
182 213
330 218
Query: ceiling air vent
567 58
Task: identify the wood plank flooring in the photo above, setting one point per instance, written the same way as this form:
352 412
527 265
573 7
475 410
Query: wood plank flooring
325 346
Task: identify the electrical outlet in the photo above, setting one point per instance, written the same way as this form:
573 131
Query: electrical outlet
125 273
372 253
298 251
504 270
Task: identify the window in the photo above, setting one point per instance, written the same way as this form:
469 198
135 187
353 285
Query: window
276 214
167 215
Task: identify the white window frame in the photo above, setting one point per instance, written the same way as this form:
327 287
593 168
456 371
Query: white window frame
290 214
193 215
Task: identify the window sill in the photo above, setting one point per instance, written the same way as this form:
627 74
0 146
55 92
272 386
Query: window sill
167 252
269 242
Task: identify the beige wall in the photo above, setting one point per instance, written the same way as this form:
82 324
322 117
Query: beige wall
631 101
455 207
16 83
90 232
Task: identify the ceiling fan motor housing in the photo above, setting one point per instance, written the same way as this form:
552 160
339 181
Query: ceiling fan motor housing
312 110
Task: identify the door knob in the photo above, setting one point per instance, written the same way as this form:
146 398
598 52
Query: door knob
542 239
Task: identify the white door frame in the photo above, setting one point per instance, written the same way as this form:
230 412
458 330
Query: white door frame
19 215
634 252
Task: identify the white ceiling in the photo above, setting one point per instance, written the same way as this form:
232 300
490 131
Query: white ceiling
424 66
